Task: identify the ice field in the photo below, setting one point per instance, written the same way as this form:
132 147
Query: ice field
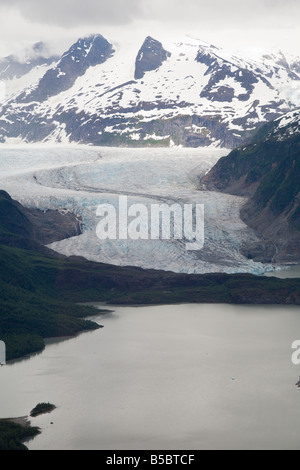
80 178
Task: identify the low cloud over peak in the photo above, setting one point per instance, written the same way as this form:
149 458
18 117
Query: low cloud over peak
253 22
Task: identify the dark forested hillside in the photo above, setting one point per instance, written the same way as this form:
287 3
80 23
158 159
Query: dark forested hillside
268 172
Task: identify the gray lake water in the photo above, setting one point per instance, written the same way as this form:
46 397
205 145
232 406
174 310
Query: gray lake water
291 272
166 377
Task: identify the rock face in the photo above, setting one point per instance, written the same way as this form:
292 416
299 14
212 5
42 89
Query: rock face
268 172
150 57
31 228
53 226
184 92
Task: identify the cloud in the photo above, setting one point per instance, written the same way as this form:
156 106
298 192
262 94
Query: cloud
229 13
70 13
232 22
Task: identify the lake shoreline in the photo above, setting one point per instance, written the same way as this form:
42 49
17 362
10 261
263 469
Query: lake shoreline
15 432
100 350
189 331
23 421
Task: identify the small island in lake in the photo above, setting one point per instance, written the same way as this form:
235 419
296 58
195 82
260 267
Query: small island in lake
41 409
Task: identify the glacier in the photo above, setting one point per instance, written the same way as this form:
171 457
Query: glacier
79 178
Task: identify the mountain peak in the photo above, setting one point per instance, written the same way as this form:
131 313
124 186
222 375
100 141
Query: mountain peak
150 57
95 47
85 53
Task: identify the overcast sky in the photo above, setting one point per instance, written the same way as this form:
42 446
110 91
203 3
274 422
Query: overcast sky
228 23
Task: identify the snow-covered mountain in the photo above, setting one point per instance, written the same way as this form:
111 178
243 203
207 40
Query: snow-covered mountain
19 72
185 92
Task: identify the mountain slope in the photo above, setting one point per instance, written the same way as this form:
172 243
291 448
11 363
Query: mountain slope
267 171
185 92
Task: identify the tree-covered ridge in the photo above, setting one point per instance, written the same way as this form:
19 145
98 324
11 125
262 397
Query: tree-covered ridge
29 309
13 434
